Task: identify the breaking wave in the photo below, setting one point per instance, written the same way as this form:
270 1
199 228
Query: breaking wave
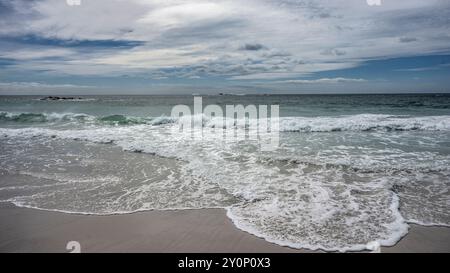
357 123
351 187
42 117
365 122
81 118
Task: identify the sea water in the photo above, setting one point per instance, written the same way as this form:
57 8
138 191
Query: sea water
349 170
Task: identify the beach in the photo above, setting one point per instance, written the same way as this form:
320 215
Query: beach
347 171
191 231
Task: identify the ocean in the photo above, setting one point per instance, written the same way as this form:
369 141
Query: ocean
349 169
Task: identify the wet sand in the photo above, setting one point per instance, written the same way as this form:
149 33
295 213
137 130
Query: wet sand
206 230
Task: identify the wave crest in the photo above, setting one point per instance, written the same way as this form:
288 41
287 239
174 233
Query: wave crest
365 123
357 123
42 117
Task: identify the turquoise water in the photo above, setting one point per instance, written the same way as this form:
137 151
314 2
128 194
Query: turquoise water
349 170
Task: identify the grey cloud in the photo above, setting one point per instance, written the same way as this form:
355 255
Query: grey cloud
407 39
324 81
333 52
35 85
252 47
281 37
275 54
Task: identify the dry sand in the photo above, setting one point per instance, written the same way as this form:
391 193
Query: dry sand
206 230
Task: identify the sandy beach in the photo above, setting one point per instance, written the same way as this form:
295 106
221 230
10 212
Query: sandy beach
206 230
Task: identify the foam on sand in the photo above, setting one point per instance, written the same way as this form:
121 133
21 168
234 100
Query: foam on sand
337 187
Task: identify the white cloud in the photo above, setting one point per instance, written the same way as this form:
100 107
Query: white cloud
37 85
324 81
36 53
156 58
297 38
184 13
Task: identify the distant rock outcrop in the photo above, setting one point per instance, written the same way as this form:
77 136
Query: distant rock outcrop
60 98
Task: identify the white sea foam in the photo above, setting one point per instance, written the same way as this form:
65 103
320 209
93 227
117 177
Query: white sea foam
25 117
365 122
361 122
334 192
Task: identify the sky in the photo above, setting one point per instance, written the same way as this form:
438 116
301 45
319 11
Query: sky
224 46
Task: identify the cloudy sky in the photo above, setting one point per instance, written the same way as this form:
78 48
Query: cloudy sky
263 46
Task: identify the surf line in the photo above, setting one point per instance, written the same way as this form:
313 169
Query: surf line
255 119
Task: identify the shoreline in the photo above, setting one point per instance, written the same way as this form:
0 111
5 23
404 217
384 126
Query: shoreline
169 231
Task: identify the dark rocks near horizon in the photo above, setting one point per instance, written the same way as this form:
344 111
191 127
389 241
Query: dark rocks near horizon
60 98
